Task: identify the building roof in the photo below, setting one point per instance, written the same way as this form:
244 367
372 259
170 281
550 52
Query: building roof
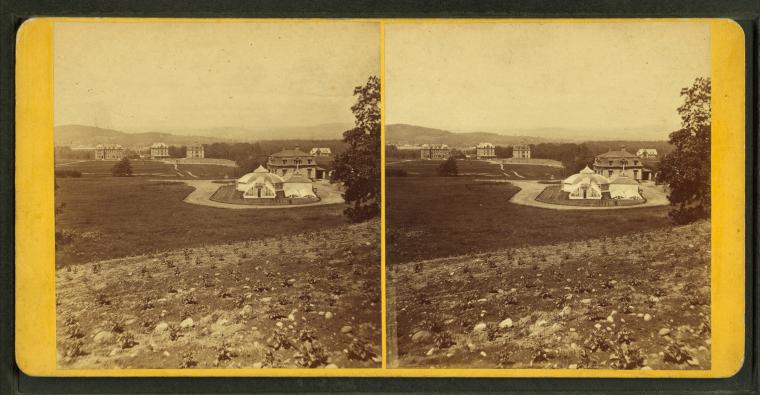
521 147
324 150
648 151
623 180
585 177
109 146
258 176
622 153
159 145
485 145
290 153
195 146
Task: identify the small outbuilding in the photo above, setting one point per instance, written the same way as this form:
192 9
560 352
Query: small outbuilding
624 187
297 185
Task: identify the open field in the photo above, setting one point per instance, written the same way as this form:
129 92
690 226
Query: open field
479 168
150 168
432 217
554 195
310 299
635 301
111 217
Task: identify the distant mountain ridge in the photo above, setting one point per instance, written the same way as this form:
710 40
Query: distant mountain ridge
416 135
83 135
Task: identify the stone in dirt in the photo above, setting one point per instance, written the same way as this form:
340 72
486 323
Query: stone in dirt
586 301
328 315
421 336
162 327
331 366
187 323
257 365
246 311
664 331
565 311
506 323
346 329
647 317
481 326
103 337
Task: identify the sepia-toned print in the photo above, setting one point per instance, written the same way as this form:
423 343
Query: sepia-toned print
548 195
217 195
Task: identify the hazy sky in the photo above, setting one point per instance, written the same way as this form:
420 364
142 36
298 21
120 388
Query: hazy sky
504 77
173 76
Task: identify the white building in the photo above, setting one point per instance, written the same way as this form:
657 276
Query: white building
323 151
159 151
109 152
521 151
195 151
485 151
647 153
585 185
624 187
261 184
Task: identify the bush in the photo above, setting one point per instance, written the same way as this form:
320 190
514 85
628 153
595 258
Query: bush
448 168
122 168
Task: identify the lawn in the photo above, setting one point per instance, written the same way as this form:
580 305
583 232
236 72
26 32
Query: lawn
432 217
151 168
209 171
106 217
481 169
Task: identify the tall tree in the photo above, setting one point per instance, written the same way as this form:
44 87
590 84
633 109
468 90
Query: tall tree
122 168
686 170
359 166
448 168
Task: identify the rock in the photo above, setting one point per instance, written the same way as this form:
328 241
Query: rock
166 353
291 281
246 311
664 331
573 366
598 326
507 323
481 326
222 321
421 336
646 368
161 327
647 317
430 352
187 323
331 366
328 315
346 329
279 324
585 301
693 361
103 337
483 354
130 321
257 365
565 311
266 300
610 319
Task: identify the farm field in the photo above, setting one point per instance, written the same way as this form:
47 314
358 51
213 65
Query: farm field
307 300
477 168
107 217
434 217
150 168
636 301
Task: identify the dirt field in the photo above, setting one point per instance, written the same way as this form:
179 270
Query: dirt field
636 301
306 300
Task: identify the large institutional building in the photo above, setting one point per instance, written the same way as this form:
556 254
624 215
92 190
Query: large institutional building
435 152
485 151
109 152
521 151
289 160
195 151
615 163
159 151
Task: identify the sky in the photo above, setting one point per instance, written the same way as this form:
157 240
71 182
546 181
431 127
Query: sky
600 78
139 76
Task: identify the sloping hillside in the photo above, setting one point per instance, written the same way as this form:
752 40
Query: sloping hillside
309 301
638 301
416 135
81 135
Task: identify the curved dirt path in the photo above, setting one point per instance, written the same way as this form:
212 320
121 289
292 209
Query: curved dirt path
529 190
205 188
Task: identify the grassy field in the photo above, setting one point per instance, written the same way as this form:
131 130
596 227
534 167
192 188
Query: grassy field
108 217
481 169
635 301
310 300
555 195
432 217
149 168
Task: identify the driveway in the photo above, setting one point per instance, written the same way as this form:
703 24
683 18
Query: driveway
328 193
529 190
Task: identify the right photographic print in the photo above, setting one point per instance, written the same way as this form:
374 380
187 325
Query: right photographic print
548 194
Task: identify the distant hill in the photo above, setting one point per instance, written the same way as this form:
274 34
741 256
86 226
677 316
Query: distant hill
82 135
416 135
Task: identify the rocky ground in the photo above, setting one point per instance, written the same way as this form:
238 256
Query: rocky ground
310 300
640 301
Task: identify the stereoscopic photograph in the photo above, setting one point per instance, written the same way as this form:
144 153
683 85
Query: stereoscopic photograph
548 195
217 194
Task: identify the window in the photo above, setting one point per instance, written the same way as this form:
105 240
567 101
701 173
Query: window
609 173
610 163
635 162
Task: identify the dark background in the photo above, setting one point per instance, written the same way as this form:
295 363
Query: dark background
13 13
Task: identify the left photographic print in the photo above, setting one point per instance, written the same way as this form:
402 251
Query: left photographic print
217 194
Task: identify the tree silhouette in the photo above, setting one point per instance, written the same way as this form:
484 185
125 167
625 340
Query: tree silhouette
122 168
359 166
448 168
686 170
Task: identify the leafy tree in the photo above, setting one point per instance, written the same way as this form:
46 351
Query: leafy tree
448 168
686 170
122 168
358 167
